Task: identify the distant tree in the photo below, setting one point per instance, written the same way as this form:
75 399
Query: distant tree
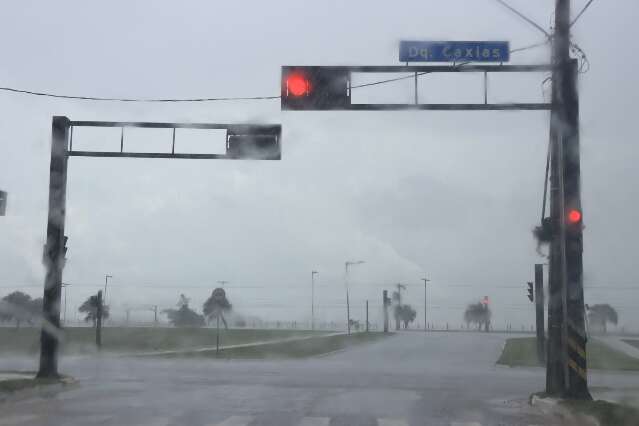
18 307
396 297
406 314
600 315
183 301
479 314
216 306
355 324
184 316
90 309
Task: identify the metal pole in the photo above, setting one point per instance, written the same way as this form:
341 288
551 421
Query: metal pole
539 312
54 250
217 336
367 316
348 306
313 299
425 302
64 286
98 324
385 303
106 281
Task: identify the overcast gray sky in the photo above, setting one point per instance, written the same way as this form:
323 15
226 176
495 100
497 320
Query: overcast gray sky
448 195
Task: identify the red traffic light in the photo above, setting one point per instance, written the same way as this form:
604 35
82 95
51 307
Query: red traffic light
298 85
574 216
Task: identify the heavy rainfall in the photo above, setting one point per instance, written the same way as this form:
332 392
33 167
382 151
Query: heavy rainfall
333 214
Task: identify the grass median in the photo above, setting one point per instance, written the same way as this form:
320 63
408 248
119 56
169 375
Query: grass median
79 340
14 382
301 348
522 352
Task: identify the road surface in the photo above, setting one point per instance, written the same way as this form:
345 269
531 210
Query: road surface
411 378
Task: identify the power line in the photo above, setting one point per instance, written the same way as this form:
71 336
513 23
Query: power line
581 13
524 17
96 98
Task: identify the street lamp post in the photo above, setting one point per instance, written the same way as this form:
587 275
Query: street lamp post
348 306
313 273
426 280
64 286
222 282
106 281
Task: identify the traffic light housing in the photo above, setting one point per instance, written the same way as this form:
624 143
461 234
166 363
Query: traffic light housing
315 88
254 142
3 203
531 296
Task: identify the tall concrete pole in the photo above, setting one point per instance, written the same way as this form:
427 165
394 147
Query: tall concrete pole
54 250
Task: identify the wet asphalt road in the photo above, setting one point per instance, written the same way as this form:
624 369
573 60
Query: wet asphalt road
409 379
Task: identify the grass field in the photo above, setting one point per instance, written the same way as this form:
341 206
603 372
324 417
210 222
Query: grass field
522 352
294 349
139 339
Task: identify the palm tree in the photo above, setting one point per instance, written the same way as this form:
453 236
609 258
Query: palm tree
90 307
600 315
216 305
478 313
406 314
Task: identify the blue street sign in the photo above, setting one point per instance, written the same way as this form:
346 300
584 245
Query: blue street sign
454 51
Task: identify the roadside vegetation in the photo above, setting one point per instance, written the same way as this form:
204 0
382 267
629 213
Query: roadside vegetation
522 352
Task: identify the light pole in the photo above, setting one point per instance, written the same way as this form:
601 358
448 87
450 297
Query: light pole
222 282
64 286
313 273
106 281
348 306
426 280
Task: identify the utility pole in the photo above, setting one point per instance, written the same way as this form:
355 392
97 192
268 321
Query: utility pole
385 302
539 312
313 273
367 316
64 286
155 315
106 281
98 323
222 283
426 280
54 249
348 306
567 369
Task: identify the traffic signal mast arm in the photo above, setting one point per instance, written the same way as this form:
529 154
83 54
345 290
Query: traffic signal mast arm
321 88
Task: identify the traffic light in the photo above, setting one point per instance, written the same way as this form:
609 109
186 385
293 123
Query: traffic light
3 203
531 296
315 88
254 142
573 216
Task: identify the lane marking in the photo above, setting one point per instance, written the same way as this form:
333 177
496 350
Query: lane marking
236 421
391 422
315 421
